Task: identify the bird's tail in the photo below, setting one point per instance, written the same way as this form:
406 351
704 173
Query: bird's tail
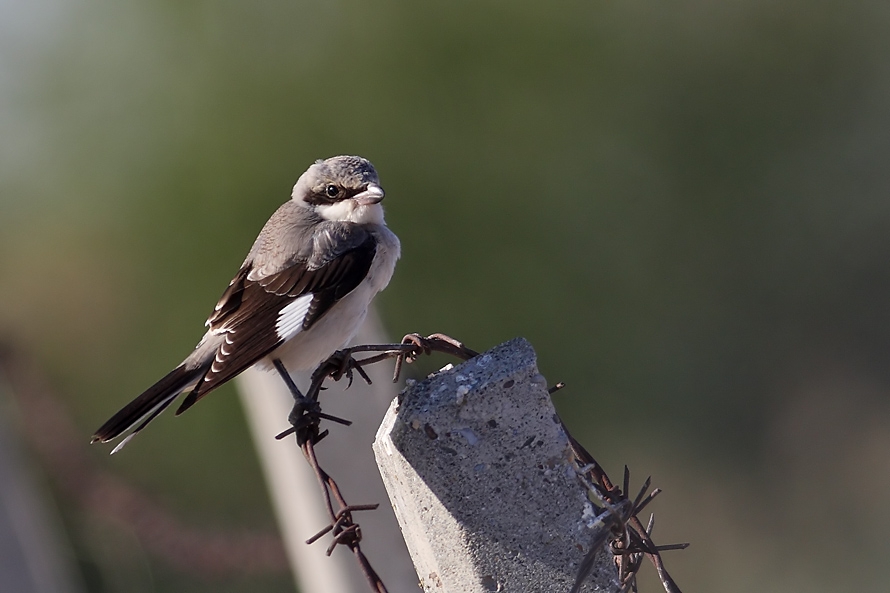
142 410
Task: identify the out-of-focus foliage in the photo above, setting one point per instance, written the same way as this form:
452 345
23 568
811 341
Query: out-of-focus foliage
683 205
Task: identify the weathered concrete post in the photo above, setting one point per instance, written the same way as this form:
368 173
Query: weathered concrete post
479 472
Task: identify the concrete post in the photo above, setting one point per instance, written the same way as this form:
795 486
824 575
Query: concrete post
480 474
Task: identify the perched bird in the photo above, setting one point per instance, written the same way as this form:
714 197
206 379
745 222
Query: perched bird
300 295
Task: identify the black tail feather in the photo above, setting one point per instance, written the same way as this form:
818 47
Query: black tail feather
147 406
190 400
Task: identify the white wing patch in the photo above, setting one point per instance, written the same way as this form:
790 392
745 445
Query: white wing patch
290 319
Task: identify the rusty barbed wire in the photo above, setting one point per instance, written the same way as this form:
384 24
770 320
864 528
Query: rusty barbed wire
619 523
306 416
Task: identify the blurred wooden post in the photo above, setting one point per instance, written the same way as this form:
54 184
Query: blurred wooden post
481 476
346 454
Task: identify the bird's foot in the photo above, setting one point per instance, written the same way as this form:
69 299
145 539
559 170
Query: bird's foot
340 364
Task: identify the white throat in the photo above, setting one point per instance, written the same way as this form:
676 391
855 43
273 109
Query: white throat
351 211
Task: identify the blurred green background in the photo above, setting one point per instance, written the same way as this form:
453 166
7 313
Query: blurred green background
683 205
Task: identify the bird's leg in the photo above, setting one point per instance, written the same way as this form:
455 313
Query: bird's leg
302 404
288 380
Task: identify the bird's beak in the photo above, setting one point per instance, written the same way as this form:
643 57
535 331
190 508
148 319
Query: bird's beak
372 195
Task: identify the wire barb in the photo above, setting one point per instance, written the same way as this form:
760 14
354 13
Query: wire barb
556 388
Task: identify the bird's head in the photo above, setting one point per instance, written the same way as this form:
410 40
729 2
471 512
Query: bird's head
341 188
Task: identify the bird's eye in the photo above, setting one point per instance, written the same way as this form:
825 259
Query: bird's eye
332 191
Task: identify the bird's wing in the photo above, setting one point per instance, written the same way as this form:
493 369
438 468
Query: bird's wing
258 312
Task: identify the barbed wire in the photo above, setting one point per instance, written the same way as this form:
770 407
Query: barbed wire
306 416
619 524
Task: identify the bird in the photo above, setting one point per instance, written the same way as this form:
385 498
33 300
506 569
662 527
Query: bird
300 295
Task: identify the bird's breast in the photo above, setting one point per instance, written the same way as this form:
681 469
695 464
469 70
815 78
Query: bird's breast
336 328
